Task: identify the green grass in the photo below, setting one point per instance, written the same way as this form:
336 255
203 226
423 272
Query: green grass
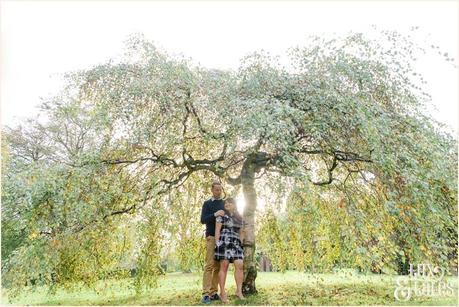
290 288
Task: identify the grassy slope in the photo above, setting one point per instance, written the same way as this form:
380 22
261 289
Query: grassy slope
290 288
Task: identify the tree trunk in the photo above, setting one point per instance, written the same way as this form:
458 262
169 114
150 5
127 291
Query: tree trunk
251 166
250 268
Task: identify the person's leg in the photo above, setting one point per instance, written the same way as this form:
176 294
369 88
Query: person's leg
239 276
215 271
209 266
222 278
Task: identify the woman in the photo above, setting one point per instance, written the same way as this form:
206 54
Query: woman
229 248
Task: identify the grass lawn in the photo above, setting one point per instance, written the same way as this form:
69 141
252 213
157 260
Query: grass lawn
290 288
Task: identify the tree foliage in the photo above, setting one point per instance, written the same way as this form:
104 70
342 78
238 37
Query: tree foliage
117 173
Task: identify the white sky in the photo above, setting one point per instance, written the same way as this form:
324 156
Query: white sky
42 38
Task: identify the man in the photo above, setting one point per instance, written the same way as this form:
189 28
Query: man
211 208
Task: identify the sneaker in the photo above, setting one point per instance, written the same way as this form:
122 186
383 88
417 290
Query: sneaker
205 299
215 297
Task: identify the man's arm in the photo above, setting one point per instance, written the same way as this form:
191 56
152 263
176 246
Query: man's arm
206 214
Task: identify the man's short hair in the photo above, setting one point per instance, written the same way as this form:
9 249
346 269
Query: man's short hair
216 183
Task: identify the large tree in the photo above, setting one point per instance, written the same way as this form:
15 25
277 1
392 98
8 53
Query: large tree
344 108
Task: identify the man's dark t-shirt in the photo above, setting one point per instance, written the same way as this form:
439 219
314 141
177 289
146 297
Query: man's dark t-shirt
209 207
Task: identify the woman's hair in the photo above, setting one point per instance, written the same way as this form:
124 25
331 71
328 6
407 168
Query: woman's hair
237 216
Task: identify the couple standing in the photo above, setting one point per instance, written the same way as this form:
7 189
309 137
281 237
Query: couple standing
223 245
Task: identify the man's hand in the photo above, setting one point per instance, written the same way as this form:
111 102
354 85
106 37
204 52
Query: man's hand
219 213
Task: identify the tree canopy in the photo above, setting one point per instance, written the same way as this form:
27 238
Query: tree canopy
125 158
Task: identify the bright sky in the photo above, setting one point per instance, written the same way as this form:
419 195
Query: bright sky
40 39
